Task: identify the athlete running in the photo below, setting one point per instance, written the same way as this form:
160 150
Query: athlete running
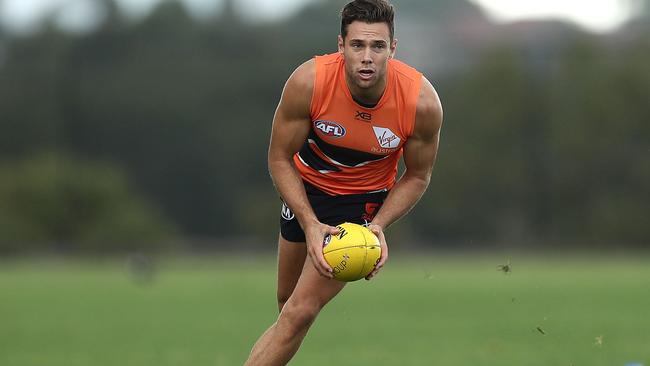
343 122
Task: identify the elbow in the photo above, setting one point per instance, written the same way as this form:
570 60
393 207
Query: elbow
425 180
420 182
277 164
272 161
422 178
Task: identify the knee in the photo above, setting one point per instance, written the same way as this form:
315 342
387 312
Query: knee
281 304
297 318
282 299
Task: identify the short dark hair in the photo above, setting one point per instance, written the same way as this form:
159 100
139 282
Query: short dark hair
369 11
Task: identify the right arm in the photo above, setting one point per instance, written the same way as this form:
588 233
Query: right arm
291 125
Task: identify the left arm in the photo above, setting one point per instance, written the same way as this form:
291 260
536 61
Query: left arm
420 152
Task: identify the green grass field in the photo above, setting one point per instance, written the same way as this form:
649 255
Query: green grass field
426 310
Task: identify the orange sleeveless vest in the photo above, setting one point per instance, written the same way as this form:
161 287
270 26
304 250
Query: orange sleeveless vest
352 149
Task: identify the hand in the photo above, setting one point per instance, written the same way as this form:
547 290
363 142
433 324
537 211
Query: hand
378 231
315 234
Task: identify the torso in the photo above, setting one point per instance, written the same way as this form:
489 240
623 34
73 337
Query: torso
351 148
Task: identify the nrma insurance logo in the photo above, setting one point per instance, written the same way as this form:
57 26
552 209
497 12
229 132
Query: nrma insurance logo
329 128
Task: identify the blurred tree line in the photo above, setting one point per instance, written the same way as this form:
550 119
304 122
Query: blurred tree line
149 133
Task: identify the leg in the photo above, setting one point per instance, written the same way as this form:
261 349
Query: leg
291 258
280 342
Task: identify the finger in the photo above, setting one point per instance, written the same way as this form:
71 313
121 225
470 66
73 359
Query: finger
320 257
333 230
380 262
320 269
320 263
322 272
376 230
327 270
383 257
371 275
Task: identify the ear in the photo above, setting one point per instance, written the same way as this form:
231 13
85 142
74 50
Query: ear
340 44
393 47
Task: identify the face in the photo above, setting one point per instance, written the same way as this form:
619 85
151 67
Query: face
366 49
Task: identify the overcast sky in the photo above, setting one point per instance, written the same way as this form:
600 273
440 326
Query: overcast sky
596 15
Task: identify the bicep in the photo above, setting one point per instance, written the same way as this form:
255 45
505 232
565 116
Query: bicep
421 148
288 134
292 122
420 155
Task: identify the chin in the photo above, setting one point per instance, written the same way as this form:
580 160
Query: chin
366 84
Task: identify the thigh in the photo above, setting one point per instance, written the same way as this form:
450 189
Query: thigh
291 258
313 291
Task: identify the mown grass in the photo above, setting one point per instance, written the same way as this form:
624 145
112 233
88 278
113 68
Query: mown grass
425 310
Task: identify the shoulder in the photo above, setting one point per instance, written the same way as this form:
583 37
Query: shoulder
428 116
302 79
296 96
404 70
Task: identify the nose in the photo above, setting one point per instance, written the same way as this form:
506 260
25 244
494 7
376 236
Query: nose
366 56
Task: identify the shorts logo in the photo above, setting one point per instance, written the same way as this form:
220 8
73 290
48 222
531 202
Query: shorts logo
329 128
386 138
286 212
371 210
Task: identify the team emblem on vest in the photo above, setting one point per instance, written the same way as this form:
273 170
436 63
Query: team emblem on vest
386 138
329 128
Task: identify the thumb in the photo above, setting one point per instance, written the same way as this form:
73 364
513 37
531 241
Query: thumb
333 230
376 229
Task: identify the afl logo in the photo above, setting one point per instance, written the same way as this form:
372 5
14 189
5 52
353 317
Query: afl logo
329 128
286 212
327 240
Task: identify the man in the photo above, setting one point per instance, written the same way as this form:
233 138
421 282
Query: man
342 124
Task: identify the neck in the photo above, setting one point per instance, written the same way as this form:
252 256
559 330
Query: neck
364 104
369 96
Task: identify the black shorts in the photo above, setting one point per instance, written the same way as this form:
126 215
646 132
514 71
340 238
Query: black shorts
332 210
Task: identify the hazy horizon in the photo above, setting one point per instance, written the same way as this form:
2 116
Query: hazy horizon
81 15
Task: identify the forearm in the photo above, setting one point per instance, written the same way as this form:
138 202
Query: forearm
401 199
289 185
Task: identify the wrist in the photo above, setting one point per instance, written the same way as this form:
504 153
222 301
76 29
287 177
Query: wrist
381 225
308 222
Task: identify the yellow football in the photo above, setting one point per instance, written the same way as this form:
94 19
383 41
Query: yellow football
352 253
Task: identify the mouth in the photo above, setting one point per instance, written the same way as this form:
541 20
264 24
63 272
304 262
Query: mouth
366 74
